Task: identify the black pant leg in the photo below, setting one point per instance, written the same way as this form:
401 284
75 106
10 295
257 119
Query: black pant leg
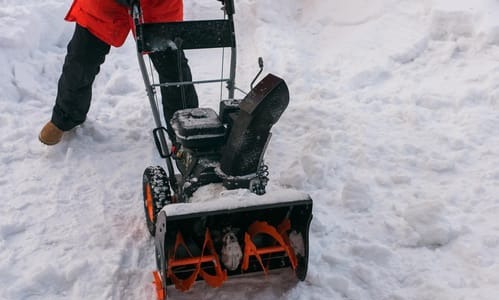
166 64
85 54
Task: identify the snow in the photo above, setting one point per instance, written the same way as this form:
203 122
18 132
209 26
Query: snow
232 199
392 128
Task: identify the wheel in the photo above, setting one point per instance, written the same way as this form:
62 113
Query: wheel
157 194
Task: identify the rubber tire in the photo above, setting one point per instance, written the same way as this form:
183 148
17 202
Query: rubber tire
155 183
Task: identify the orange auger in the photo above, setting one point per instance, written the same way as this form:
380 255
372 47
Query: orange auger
212 257
281 245
250 248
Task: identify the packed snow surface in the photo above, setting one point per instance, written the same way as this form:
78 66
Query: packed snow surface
392 129
233 199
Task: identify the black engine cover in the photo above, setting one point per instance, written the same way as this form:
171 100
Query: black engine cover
198 128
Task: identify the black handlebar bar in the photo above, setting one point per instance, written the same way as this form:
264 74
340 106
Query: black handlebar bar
228 6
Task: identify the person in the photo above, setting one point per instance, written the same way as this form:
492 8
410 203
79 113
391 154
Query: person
100 25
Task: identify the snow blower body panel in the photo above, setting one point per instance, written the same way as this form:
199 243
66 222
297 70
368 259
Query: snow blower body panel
230 233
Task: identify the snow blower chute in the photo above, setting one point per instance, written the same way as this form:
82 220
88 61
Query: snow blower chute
246 231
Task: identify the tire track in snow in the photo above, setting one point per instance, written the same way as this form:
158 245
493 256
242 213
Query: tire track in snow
119 236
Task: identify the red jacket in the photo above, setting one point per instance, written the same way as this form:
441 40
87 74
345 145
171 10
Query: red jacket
110 21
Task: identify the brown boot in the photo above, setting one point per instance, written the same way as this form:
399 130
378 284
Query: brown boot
50 134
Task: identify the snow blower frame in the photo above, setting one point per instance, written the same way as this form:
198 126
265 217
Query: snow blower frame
213 240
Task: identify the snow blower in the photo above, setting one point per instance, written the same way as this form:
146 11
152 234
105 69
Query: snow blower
238 233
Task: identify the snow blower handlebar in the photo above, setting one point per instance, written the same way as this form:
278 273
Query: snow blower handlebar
205 34
160 131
